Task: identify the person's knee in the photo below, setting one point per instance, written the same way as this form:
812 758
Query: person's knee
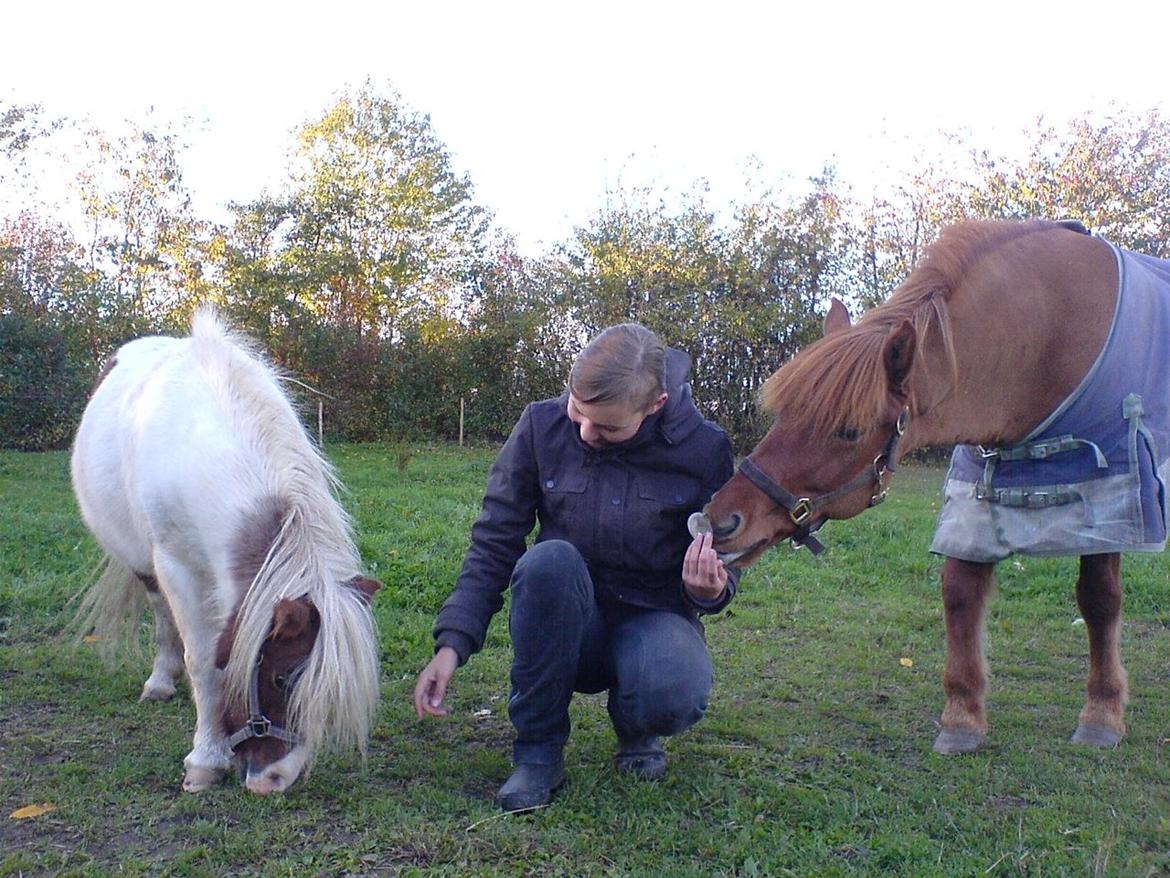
550 558
549 574
665 704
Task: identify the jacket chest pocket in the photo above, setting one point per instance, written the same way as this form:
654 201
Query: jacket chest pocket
565 497
665 502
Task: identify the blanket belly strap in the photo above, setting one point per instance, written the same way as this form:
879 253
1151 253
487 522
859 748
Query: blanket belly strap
1027 498
1045 448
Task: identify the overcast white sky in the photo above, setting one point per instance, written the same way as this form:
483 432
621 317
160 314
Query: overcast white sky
546 104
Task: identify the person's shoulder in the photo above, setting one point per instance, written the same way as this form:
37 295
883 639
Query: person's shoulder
712 432
545 415
544 409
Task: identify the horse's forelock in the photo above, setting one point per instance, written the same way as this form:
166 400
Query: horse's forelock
836 383
334 704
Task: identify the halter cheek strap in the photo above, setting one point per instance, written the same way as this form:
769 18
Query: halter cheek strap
258 725
803 510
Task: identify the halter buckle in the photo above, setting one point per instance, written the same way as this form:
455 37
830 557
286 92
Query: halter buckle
259 726
903 420
801 511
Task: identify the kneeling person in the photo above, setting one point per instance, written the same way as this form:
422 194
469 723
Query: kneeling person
609 596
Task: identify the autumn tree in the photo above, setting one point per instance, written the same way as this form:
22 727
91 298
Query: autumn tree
141 232
378 230
1111 172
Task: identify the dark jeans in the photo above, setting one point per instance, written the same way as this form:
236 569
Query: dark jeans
654 663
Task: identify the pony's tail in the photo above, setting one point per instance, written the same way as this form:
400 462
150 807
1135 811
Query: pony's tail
110 613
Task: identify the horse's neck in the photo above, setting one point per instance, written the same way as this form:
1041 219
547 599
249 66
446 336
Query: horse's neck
1024 337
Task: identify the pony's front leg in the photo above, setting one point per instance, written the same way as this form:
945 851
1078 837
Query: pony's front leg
210 754
966 586
1102 720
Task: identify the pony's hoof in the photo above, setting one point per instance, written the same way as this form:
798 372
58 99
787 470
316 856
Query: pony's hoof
157 693
952 741
1096 736
199 779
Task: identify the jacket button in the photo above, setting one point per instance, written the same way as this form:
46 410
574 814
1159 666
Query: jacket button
549 483
616 501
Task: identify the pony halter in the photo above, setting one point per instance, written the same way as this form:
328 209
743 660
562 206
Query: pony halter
802 510
257 725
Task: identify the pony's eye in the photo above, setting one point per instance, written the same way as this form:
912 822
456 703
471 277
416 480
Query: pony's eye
280 681
847 434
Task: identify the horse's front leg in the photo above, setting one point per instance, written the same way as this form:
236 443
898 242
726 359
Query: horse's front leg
966 586
210 755
1102 720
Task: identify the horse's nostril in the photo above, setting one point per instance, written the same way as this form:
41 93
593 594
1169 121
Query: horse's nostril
723 529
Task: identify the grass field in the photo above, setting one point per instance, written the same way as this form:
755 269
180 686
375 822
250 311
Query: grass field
814 758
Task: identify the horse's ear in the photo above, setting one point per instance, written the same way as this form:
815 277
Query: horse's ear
898 355
291 619
837 317
365 587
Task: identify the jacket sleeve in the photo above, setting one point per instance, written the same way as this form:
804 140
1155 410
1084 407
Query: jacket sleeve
722 468
497 542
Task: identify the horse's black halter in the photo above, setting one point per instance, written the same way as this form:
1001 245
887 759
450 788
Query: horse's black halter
257 725
802 510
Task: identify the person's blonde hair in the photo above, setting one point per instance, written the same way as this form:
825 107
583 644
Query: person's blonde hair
624 364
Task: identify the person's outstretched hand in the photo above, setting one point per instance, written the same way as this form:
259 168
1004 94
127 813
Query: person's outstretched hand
431 688
704 575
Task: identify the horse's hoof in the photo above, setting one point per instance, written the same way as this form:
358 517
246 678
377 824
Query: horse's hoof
199 779
1096 736
157 693
952 741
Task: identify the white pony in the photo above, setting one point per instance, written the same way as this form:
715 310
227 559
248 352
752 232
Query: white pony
200 483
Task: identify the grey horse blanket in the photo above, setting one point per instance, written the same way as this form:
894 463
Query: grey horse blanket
1090 478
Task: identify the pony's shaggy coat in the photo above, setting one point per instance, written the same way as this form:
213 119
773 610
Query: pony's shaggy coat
235 462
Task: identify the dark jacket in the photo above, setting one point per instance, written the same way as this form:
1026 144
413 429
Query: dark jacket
624 507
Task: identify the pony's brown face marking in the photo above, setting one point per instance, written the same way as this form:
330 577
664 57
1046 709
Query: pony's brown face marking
295 625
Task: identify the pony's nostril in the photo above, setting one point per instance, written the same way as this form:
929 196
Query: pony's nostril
724 529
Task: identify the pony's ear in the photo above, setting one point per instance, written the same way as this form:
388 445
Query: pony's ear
291 619
898 355
837 317
365 587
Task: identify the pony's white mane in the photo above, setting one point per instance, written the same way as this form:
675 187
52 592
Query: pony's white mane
334 701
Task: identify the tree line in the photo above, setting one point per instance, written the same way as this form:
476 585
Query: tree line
376 278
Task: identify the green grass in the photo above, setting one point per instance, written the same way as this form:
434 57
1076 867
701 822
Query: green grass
814 758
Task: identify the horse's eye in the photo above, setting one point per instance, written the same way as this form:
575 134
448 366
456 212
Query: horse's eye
280 681
847 434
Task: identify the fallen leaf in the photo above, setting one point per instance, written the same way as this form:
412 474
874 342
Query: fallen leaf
32 811
90 638
906 663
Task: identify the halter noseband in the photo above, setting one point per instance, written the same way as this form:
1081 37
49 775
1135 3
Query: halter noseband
803 509
257 725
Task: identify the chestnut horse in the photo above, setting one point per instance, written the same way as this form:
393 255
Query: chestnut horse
996 340
198 480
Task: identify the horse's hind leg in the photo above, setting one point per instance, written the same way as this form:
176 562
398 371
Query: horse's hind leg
1102 721
966 586
168 661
